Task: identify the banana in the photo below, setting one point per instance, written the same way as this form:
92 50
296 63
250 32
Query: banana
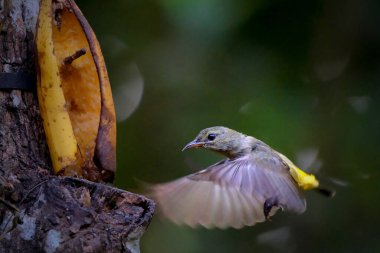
59 132
74 94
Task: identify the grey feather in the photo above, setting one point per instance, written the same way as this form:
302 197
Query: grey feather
230 193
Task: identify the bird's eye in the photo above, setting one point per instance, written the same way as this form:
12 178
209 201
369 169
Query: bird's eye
211 136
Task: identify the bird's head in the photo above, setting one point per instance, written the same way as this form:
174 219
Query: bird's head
222 140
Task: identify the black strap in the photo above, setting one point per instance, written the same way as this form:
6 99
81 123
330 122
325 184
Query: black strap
18 81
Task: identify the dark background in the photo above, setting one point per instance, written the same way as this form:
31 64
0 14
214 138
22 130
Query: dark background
303 76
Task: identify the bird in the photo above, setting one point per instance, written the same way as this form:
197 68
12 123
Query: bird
249 186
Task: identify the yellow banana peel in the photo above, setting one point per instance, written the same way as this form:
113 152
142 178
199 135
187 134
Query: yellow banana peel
74 94
58 129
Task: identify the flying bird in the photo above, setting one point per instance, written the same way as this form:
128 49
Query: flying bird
247 187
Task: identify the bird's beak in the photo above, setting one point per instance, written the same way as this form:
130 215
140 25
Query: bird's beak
193 144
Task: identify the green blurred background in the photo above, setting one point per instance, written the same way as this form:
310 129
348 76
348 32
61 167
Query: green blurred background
303 76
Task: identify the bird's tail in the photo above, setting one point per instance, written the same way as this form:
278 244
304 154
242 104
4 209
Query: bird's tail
325 192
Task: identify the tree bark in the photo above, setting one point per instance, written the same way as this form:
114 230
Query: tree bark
40 212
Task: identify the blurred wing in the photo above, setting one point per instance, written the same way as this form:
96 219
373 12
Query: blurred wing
231 193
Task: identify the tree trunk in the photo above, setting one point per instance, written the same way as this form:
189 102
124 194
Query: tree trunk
39 211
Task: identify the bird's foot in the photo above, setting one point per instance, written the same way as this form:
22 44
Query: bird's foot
268 205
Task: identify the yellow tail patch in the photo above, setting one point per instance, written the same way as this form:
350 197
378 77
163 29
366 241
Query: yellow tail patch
304 180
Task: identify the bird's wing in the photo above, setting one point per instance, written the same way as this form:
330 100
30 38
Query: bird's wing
230 193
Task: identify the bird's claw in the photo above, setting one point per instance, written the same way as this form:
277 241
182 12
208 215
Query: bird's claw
268 205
